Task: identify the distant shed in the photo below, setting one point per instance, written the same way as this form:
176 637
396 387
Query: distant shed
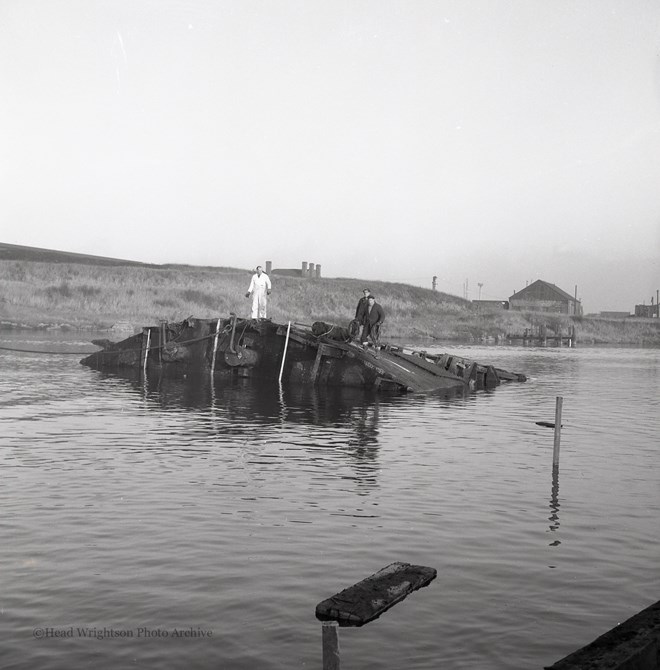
541 296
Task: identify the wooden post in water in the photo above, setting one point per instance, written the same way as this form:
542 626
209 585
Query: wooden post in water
215 346
365 601
330 641
286 344
146 349
555 451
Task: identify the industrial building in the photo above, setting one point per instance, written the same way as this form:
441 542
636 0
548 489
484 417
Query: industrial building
541 296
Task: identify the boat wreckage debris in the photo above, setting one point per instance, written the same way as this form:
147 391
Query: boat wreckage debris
323 354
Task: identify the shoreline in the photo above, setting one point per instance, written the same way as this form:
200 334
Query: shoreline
68 297
120 330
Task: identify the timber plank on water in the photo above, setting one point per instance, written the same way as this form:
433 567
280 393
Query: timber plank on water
369 598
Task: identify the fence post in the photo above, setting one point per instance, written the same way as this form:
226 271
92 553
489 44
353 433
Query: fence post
555 451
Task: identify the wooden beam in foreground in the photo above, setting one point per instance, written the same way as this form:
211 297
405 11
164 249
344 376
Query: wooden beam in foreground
368 599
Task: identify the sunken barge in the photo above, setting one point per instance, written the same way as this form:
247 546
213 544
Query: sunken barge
321 354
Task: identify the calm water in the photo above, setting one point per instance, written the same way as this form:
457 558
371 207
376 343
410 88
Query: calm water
137 507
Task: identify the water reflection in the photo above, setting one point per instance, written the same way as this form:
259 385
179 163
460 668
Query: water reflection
554 504
116 487
231 407
245 399
324 422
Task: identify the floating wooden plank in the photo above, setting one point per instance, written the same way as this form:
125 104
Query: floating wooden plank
368 599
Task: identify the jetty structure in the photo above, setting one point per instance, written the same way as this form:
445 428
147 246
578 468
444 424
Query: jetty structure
540 337
322 354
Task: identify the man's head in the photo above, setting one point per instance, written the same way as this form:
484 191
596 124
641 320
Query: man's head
259 269
366 292
371 299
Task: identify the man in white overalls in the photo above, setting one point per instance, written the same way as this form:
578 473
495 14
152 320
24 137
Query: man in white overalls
260 287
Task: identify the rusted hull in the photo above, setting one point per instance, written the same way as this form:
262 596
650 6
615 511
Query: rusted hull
261 348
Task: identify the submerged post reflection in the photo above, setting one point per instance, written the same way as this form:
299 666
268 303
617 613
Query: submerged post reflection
554 504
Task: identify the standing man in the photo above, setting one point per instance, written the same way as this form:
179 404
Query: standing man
260 288
362 306
374 315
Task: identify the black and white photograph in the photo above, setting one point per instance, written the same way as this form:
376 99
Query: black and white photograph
329 334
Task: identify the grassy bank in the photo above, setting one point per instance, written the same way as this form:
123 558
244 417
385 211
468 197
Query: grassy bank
80 296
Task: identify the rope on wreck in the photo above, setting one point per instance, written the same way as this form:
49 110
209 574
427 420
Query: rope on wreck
40 351
159 346
327 332
105 350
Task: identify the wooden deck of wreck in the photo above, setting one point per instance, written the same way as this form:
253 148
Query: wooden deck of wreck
411 371
399 368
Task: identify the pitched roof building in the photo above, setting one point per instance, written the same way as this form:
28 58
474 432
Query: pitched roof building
541 296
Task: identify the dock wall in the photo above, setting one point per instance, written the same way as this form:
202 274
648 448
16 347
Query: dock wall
632 645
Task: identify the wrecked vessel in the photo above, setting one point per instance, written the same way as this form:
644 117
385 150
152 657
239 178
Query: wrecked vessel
322 354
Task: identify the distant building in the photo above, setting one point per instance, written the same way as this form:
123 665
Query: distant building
490 305
541 296
647 311
307 270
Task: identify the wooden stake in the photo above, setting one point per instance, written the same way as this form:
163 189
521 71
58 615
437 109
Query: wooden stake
286 344
330 635
146 351
215 346
555 452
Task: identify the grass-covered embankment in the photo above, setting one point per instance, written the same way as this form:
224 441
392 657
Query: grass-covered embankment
81 296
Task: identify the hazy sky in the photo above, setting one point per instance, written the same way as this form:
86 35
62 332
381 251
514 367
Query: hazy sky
497 141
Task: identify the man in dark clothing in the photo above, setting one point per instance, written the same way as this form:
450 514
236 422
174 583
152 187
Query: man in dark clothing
362 306
373 317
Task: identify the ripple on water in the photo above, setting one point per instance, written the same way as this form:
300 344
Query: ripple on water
153 503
